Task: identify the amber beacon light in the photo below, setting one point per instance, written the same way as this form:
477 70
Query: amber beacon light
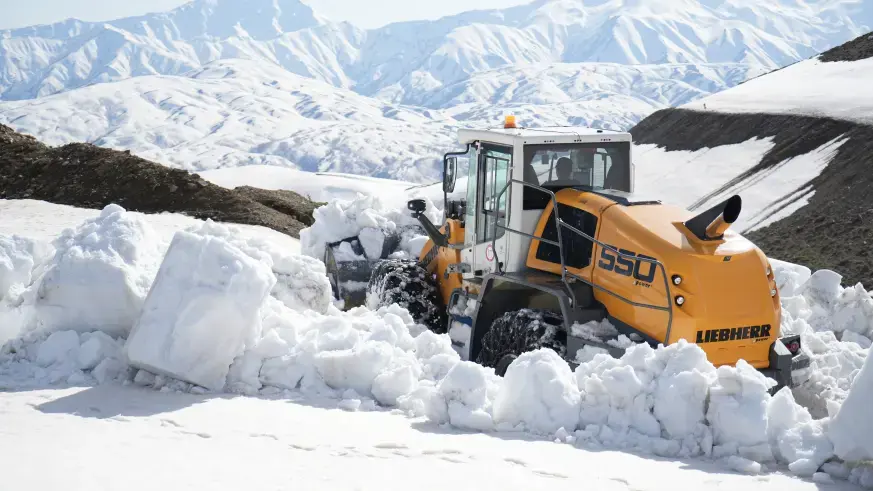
509 122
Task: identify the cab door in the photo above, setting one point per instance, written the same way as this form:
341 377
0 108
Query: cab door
485 241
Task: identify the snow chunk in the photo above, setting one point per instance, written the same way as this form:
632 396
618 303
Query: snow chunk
738 406
652 399
19 257
202 311
96 347
114 258
796 439
60 347
852 427
463 398
540 392
302 283
369 219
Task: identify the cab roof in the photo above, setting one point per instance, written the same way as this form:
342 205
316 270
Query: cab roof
544 135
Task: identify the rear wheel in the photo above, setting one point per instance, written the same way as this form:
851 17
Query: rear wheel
518 332
409 285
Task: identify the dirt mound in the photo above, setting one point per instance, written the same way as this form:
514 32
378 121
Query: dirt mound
858 49
87 176
835 230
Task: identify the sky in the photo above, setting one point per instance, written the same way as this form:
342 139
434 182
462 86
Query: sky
363 13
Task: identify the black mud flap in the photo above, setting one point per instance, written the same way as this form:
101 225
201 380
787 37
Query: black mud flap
787 367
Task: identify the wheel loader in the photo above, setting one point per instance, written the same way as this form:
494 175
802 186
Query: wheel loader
549 240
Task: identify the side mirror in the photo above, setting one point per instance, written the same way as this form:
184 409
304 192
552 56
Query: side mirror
450 174
417 206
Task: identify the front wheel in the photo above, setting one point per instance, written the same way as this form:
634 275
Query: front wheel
518 332
409 285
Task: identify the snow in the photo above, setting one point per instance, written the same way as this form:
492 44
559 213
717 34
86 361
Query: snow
202 311
43 222
851 426
44 60
665 401
810 88
834 322
292 442
197 89
539 391
18 258
707 177
738 406
109 257
318 186
371 218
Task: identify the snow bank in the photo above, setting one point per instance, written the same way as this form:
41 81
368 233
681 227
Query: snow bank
836 329
19 259
539 392
369 218
795 438
201 312
852 426
230 313
99 275
62 357
301 281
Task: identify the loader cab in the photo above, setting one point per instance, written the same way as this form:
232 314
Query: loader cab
489 197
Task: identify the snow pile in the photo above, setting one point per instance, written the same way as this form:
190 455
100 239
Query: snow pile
19 258
538 391
649 399
795 438
463 398
214 318
301 282
836 328
370 219
201 312
67 356
99 275
852 426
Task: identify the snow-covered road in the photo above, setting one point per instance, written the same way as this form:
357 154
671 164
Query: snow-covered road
113 437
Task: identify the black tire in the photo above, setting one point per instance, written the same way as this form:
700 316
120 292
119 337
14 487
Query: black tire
409 285
518 332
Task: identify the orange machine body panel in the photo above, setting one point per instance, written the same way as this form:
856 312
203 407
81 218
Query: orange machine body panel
728 310
438 259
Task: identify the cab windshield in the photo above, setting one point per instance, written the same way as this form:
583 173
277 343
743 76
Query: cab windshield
591 165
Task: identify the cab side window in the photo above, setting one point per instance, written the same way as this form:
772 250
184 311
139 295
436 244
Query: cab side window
495 163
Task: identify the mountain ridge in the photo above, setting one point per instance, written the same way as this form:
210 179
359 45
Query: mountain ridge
390 62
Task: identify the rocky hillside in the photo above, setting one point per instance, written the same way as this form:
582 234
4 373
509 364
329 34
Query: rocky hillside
87 176
817 211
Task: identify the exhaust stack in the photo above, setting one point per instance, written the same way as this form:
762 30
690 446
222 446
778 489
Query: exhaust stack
714 222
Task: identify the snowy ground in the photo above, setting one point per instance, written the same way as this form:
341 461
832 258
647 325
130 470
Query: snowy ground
184 441
44 221
132 320
318 186
839 90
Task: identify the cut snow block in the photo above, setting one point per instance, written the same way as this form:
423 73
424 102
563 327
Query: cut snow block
202 311
852 426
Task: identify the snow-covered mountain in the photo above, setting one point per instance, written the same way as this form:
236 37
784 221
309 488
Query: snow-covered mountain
402 61
239 112
222 83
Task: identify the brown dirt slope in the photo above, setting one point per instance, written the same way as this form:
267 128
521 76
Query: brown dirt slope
88 176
